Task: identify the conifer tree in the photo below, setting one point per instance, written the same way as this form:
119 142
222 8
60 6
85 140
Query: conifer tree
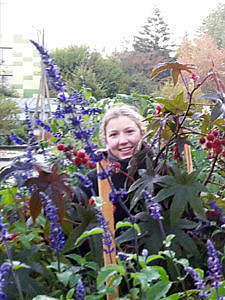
155 36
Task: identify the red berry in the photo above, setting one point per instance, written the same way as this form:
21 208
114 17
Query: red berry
202 140
210 156
210 137
175 149
117 165
209 145
60 147
158 115
215 132
216 143
90 165
217 150
180 158
81 154
91 202
159 108
85 160
77 161
223 154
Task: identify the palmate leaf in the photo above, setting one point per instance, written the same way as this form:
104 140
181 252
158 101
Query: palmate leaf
53 184
176 106
185 189
175 67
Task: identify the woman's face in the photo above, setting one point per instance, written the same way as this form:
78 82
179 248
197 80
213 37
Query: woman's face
122 135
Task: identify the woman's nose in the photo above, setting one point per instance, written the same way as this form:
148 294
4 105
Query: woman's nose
122 139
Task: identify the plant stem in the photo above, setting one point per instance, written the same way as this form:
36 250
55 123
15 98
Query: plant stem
17 282
211 170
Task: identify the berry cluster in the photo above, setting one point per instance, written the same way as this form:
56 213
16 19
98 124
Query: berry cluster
158 111
81 158
214 144
176 155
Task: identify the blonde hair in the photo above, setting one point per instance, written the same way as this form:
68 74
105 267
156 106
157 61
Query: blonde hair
121 110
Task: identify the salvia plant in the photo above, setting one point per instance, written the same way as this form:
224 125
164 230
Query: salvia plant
170 246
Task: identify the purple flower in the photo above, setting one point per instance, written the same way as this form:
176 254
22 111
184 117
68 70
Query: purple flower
3 229
4 269
144 253
214 266
32 144
106 236
198 282
80 292
57 236
85 181
16 139
52 70
218 210
153 206
122 257
43 125
116 196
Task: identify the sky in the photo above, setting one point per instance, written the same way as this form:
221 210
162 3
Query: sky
104 25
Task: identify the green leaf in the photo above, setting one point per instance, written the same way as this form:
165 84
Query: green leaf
185 189
176 106
146 276
176 69
128 224
9 195
108 271
70 294
159 290
80 260
64 277
88 233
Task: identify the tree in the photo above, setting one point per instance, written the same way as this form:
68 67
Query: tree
154 37
204 54
138 67
104 76
214 25
8 115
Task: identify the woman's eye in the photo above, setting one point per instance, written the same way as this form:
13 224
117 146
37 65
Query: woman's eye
112 135
130 131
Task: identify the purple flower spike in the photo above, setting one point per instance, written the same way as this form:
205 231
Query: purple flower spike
153 206
80 292
106 236
4 269
198 282
57 237
214 266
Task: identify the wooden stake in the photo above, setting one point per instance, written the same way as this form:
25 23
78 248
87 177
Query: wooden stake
187 151
107 211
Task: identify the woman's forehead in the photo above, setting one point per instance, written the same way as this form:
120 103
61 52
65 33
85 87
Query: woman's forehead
121 122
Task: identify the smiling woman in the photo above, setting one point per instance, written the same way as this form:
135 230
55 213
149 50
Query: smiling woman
122 129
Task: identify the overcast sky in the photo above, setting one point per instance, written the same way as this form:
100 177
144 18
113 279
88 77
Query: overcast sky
101 24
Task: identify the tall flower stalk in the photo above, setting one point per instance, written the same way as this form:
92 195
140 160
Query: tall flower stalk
3 236
214 267
57 239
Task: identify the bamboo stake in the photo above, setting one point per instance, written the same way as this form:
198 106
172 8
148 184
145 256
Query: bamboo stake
107 211
187 151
